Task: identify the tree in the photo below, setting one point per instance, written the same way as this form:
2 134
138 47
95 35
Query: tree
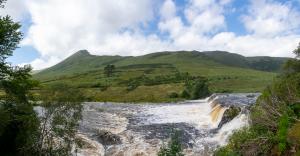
22 132
292 66
109 70
196 88
60 112
200 89
297 51
19 123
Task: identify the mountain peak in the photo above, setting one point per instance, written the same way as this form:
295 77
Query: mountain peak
82 52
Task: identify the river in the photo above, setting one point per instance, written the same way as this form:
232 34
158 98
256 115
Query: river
122 129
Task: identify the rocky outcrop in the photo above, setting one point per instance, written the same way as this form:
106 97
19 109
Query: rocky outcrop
108 138
229 114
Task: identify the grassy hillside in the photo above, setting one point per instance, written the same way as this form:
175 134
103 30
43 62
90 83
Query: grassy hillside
157 72
275 119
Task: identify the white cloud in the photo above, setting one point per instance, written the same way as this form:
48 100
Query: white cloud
41 63
15 8
115 27
62 27
168 9
251 45
205 16
271 18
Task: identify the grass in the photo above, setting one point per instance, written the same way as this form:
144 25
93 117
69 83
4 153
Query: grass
157 93
85 71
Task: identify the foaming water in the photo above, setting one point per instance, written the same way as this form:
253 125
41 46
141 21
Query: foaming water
227 129
142 128
216 114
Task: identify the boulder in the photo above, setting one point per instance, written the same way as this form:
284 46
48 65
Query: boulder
108 138
229 114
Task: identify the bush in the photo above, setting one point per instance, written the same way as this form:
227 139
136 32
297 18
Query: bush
200 89
174 147
223 91
173 95
225 151
196 88
185 94
132 86
282 132
275 111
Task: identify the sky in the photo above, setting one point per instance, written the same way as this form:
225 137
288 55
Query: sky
56 29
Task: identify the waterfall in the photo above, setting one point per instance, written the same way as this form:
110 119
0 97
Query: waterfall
218 109
143 128
217 113
229 128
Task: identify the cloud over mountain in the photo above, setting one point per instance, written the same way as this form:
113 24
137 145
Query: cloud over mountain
59 28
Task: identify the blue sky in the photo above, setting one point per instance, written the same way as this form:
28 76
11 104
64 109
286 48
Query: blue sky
55 29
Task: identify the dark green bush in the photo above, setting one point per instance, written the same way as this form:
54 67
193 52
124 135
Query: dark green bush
173 95
196 88
185 94
174 147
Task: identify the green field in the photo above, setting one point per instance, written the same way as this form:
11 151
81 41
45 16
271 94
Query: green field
157 74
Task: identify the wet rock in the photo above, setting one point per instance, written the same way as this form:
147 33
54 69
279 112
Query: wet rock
251 96
229 114
165 131
107 138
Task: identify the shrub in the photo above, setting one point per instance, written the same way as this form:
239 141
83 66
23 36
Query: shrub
174 147
173 95
282 132
185 94
132 86
196 88
200 89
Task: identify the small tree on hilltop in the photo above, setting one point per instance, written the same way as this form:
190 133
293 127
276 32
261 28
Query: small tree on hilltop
109 70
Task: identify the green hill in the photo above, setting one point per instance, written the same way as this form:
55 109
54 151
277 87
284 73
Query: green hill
155 73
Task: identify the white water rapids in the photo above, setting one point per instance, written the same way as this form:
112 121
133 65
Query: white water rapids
143 128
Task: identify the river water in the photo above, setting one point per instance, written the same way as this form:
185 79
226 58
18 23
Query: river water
141 129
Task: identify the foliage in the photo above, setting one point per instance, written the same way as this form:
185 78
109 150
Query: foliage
133 83
19 123
291 67
297 51
84 71
60 112
109 70
21 131
173 95
9 37
273 118
174 147
282 132
196 88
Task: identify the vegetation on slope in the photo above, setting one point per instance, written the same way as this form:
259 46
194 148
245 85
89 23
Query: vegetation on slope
162 72
275 119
